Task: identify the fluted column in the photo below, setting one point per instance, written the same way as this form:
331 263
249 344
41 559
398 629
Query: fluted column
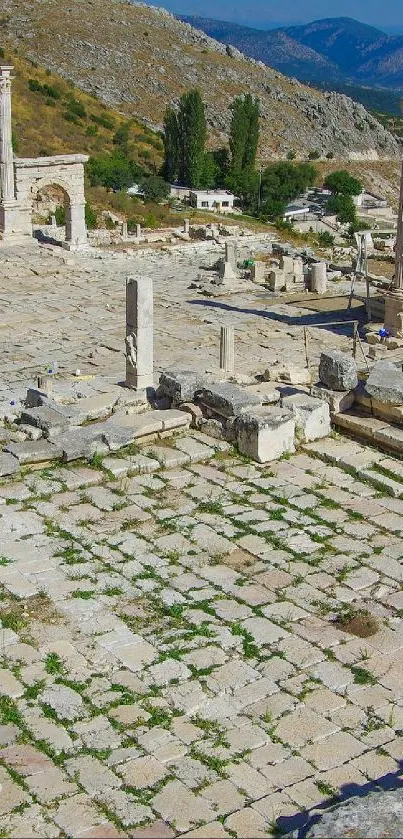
7 186
398 281
227 349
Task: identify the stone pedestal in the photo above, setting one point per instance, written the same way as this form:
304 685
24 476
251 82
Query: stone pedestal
318 277
394 312
231 254
227 276
139 333
227 351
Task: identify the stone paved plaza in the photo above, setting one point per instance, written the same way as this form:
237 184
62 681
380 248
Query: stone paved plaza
174 660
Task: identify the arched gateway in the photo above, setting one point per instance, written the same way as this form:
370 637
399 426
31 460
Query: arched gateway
22 178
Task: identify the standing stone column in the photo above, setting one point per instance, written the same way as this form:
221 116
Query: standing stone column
231 255
227 349
138 231
7 186
398 280
124 231
186 226
318 277
394 298
139 333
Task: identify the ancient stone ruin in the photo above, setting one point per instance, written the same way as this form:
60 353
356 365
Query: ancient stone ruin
22 178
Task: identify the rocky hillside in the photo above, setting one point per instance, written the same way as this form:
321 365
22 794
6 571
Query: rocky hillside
51 116
138 59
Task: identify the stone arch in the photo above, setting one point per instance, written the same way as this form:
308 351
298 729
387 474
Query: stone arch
66 172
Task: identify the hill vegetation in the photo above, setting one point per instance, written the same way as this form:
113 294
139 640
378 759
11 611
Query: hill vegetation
139 59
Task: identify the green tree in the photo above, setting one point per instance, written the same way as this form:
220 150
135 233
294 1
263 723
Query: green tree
342 183
281 183
155 188
222 162
192 138
343 207
244 133
170 169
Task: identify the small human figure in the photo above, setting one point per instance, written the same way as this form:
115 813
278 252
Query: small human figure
131 350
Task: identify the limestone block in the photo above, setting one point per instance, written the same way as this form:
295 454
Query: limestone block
277 279
338 400
287 264
34 452
312 416
8 464
82 442
266 436
385 383
227 275
289 373
47 418
181 385
338 370
258 271
227 399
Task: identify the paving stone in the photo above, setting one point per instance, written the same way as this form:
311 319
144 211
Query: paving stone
64 701
91 774
77 815
12 795
213 830
224 797
49 785
246 823
247 779
178 805
26 760
333 751
9 685
143 772
157 830
125 806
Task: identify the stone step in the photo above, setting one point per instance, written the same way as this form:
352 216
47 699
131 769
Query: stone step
386 484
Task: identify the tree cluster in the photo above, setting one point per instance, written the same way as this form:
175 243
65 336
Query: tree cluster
186 159
343 186
281 183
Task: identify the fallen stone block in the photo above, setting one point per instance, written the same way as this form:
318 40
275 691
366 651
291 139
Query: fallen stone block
181 385
195 413
82 442
8 464
266 436
47 418
34 451
338 400
385 383
93 407
312 416
227 400
338 370
288 373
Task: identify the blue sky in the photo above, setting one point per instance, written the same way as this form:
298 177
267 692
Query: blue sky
264 13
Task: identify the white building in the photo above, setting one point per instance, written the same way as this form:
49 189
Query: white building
216 200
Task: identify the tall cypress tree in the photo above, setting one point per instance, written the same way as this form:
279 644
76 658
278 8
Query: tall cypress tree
192 137
171 146
244 133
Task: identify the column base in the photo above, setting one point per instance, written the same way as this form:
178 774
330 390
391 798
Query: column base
394 313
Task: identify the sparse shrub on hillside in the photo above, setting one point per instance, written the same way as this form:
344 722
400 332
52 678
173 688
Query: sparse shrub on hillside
77 108
325 238
45 89
106 122
313 155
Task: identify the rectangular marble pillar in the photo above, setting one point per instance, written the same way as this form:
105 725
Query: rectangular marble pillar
124 231
139 333
227 354
231 254
186 226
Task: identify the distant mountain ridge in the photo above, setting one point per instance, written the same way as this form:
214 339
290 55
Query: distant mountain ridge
332 49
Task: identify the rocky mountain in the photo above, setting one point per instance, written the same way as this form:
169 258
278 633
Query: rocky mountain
139 59
329 50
